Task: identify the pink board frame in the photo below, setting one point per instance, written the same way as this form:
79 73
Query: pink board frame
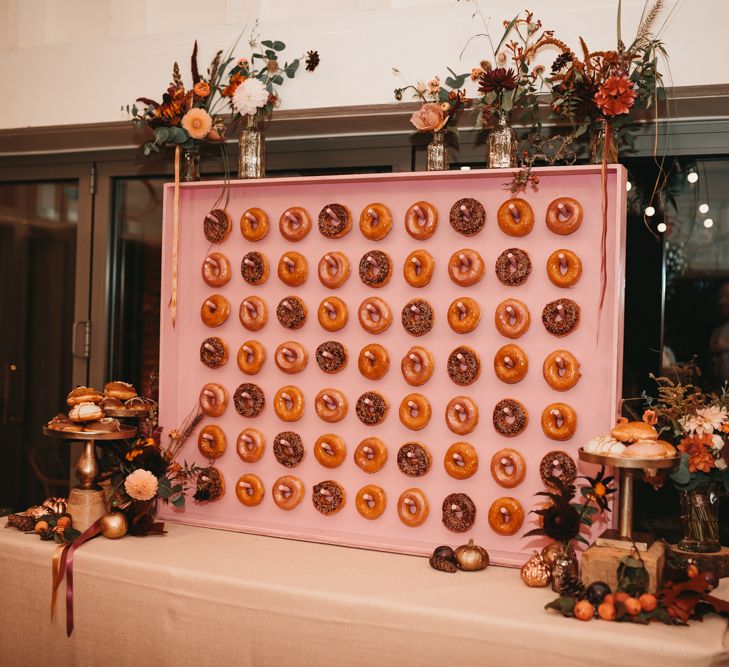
595 397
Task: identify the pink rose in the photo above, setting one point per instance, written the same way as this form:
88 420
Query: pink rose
430 118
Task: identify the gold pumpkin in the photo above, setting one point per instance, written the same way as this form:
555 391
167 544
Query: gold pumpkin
536 572
471 557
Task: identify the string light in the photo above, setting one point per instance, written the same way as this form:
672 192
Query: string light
692 177
661 227
628 186
703 208
650 211
708 223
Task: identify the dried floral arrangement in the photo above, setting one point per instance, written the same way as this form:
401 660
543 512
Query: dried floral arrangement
252 88
185 117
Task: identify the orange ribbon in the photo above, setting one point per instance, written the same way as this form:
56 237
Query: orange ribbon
175 237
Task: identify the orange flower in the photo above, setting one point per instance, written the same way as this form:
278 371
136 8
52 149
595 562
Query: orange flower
650 417
616 95
725 427
622 420
202 89
698 452
235 81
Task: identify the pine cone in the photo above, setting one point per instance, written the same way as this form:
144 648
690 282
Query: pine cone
572 587
21 522
442 564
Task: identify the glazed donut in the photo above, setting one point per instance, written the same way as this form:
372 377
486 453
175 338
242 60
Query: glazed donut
328 497
459 512
288 492
415 411
375 268
461 460
511 364
371 501
370 455
512 318
253 313
375 222
288 403
564 215
417 366
249 489
414 459
561 317
217 225
465 267
254 224
557 464
418 268
508 467
561 370
513 267
213 399
506 516
467 216
254 268
412 507
291 312
214 352
249 400
216 269
251 445
463 366
515 217
251 356
331 405
291 357
333 313
215 310
333 270
288 449
559 421
510 417
294 224
564 268
330 450
335 220
463 315
461 415
372 408
417 317
331 356
212 442
375 315
373 361
421 220
292 269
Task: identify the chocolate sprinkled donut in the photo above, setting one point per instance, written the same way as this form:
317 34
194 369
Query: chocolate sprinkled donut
331 229
467 216
217 225
414 459
561 317
375 268
463 366
462 518
513 267
213 352
291 312
253 267
249 400
510 417
417 317
288 449
331 356
328 497
372 408
557 464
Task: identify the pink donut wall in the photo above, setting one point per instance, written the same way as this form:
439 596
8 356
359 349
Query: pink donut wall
597 344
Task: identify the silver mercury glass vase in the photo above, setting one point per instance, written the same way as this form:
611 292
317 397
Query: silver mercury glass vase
502 144
437 153
251 151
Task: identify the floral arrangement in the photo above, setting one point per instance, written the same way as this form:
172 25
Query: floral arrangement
441 103
185 117
252 89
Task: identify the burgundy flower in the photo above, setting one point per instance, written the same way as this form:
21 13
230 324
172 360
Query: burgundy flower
497 80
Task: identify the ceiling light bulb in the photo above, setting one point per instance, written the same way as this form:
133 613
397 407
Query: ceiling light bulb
703 208
661 227
650 211
692 177
628 186
708 223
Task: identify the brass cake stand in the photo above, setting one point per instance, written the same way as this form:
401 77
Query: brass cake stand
626 471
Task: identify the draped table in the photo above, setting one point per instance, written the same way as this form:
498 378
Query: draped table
201 597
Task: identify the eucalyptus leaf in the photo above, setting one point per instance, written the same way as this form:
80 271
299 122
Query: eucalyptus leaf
278 79
279 46
161 134
682 475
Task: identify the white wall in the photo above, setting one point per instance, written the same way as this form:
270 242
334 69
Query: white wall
79 61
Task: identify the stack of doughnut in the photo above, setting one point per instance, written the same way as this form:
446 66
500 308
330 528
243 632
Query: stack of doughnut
634 440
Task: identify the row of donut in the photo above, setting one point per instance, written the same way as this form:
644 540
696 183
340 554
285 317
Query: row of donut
560 369
467 216
511 317
510 417
465 268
